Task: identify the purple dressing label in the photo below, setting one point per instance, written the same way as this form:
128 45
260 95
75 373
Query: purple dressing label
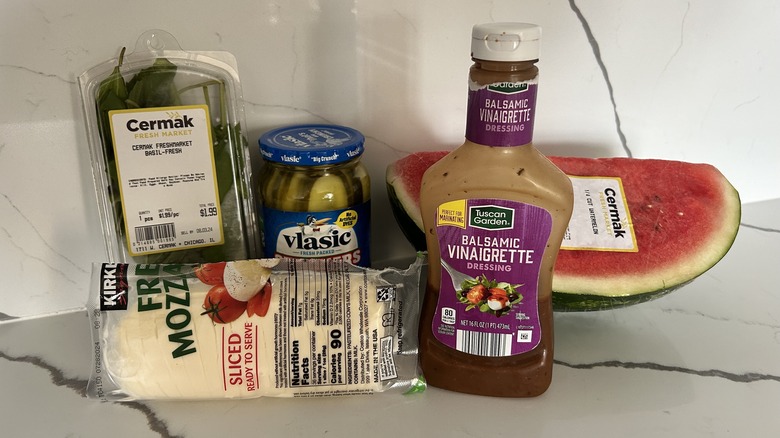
491 252
502 114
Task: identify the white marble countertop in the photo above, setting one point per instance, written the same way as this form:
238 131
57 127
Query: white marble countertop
703 361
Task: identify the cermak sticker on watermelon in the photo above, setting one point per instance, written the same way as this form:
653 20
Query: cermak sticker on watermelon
685 217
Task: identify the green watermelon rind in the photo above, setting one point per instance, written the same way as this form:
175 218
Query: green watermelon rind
577 297
413 233
402 207
578 302
568 302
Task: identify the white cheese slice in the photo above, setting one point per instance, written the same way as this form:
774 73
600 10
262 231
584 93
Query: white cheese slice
327 332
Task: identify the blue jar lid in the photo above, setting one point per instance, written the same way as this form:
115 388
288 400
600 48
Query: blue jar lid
311 145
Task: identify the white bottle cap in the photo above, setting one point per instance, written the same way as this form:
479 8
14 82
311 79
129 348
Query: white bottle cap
510 42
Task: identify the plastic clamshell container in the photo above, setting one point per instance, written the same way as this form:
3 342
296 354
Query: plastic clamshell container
170 162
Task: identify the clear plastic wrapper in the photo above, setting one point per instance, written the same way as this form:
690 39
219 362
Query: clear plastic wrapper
169 159
253 328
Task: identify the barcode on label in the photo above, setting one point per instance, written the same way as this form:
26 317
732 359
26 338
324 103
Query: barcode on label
155 232
484 344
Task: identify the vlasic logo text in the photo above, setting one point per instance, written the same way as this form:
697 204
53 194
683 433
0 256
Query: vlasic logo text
318 238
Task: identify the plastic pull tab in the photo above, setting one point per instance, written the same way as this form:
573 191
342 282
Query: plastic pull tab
156 41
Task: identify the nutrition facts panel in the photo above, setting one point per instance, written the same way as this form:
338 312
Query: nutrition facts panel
329 329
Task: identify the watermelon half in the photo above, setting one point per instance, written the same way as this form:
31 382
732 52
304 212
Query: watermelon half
685 218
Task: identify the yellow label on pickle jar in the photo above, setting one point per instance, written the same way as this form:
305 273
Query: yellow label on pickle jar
347 219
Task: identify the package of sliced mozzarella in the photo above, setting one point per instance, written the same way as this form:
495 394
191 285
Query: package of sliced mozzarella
253 328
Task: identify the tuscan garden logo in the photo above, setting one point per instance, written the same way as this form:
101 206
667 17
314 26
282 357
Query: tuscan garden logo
508 87
491 217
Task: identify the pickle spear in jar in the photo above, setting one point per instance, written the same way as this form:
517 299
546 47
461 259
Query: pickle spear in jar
329 193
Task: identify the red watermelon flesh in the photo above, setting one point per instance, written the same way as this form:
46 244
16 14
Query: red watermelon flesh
404 178
685 218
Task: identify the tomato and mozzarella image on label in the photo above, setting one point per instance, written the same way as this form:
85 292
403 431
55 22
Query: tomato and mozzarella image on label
251 328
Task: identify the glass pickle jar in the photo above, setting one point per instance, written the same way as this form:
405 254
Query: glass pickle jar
315 194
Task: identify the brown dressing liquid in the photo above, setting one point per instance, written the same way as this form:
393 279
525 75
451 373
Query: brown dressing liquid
518 173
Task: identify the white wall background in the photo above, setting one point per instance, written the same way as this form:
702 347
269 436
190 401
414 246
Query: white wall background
687 80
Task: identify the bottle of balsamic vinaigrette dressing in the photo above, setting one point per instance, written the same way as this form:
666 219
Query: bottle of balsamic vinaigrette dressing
495 212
